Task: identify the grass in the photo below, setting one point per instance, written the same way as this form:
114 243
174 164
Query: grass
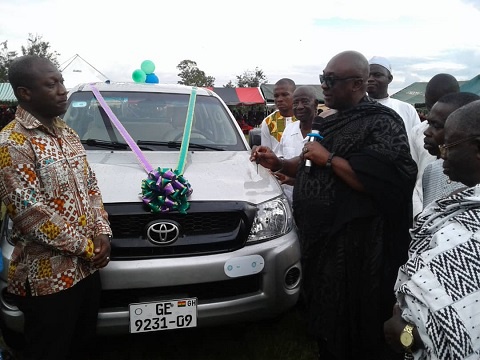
283 338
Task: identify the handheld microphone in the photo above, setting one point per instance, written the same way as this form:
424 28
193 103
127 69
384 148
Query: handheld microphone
311 137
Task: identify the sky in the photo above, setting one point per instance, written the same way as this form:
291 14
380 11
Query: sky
283 39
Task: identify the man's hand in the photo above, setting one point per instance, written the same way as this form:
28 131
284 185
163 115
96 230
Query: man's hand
284 179
264 156
316 153
392 328
101 256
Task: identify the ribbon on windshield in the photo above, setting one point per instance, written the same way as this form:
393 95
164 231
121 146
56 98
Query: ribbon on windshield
164 189
113 118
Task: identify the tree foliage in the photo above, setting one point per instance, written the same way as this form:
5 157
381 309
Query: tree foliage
251 78
230 84
191 75
6 57
35 46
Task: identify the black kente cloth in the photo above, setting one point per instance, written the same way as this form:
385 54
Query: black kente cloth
353 243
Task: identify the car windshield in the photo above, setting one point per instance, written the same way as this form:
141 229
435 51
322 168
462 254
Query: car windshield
153 118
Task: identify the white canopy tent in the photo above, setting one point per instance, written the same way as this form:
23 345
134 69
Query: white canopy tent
77 70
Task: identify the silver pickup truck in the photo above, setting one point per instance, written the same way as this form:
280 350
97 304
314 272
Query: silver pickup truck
233 255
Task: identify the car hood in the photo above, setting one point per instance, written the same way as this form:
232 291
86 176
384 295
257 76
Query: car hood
214 176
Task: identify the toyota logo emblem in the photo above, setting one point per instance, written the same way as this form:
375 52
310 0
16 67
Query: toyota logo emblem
163 232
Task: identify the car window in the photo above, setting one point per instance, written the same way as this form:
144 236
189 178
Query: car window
153 117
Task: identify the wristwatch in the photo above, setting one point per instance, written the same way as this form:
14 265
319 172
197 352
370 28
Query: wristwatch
406 338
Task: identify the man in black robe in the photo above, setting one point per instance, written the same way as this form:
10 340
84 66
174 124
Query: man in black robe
352 207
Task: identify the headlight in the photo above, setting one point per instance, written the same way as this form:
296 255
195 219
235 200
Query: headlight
273 219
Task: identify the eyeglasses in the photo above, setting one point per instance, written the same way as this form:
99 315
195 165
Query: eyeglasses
330 80
443 148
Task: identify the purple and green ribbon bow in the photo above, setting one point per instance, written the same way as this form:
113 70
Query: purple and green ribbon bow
164 189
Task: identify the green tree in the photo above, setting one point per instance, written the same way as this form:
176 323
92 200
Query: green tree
35 46
251 78
191 75
229 84
6 57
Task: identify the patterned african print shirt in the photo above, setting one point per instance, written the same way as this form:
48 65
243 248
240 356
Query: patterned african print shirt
438 288
272 129
52 196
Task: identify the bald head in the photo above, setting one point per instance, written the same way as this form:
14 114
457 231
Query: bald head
305 105
439 85
461 160
465 119
305 91
353 63
346 76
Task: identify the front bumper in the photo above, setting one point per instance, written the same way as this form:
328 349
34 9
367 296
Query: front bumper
272 291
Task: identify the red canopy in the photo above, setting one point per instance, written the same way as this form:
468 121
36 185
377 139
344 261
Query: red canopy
250 96
239 96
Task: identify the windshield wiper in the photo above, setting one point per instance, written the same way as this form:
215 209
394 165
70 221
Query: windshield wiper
109 144
177 145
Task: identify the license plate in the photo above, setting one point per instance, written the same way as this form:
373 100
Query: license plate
164 315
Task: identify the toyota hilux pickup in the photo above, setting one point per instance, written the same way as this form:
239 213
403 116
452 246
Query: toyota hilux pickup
228 253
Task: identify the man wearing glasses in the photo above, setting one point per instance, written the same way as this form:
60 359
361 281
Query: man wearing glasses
437 289
353 212
435 183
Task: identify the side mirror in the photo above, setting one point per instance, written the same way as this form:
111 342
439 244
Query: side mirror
254 137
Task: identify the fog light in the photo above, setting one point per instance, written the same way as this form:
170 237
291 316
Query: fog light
292 277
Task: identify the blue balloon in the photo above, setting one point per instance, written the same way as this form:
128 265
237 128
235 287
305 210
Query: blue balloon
152 79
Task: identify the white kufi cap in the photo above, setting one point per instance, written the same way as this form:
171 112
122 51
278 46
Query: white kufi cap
378 60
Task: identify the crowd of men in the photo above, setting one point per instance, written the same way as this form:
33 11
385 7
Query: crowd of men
382 279
387 209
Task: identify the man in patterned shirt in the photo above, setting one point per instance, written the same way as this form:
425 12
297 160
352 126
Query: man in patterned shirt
60 228
438 288
273 125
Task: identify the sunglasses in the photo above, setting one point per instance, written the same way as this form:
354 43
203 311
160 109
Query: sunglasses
443 148
331 80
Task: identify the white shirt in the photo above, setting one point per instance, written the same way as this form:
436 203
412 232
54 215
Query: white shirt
415 129
266 137
406 111
422 157
290 145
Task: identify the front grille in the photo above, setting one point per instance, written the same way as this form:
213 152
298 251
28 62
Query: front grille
219 290
133 225
207 228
